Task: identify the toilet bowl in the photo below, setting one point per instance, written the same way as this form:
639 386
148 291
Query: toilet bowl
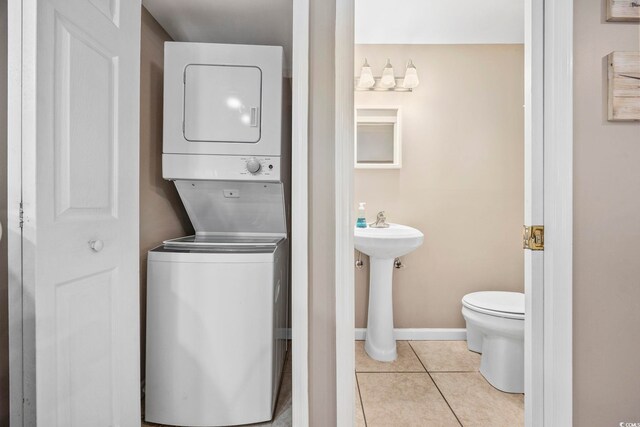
495 328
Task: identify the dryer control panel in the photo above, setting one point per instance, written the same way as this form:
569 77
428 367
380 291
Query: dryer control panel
230 168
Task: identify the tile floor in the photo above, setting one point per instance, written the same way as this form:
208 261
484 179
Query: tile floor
431 383
282 417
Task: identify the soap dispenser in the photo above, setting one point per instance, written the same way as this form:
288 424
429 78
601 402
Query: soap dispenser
362 221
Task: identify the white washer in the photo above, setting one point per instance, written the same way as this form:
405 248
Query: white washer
216 331
217 301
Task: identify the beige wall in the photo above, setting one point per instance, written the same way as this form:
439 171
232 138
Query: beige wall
322 336
461 181
4 327
606 287
162 215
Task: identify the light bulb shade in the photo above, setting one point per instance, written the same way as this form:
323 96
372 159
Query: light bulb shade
388 79
411 79
366 79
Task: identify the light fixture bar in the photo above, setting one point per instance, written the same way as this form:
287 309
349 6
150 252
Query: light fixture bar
399 86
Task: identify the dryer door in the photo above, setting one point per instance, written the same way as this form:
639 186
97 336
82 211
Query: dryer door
222 103
222 100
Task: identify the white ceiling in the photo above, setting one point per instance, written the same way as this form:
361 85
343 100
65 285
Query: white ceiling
269 22
439 21
262 22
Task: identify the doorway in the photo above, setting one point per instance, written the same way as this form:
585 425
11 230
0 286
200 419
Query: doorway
548 154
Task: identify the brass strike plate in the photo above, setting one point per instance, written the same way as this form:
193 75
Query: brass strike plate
533 237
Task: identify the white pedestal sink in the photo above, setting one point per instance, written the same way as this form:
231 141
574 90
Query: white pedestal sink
383 245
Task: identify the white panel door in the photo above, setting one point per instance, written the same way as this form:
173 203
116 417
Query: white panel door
222 103
79 100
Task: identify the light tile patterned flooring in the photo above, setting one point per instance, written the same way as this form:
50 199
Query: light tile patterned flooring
431 383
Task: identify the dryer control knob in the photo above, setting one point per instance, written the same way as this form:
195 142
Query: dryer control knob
253 165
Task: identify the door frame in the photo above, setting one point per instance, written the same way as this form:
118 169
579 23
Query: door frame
549 95
21 317
300 215
344 217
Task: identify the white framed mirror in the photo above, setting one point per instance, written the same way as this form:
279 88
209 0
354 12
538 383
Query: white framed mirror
378 138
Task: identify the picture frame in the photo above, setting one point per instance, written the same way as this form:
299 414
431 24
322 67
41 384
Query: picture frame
623 10
624 86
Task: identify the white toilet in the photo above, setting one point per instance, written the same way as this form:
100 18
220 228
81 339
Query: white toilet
495 328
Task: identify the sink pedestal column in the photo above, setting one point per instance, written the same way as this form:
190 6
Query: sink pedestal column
380 343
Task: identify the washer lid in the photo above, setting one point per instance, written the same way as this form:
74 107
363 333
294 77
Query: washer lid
223 241
212 255
498 301
234 207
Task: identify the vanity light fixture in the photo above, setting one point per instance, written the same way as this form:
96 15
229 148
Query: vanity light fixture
388 80
411 79
366 79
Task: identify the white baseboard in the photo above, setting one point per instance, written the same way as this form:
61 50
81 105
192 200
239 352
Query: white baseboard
415 334
422 334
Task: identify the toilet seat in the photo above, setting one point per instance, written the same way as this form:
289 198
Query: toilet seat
509 305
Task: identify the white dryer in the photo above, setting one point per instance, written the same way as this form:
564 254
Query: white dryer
223 112
217 301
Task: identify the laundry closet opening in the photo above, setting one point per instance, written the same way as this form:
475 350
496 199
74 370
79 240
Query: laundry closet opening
215 203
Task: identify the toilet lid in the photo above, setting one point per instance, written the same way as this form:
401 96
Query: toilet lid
497 301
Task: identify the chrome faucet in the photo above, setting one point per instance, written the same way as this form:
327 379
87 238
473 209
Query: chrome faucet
381 221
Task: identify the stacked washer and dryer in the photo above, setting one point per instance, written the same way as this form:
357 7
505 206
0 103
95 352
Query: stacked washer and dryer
217 301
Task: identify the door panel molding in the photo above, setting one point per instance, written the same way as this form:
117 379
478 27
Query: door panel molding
85 80
109 8
85 331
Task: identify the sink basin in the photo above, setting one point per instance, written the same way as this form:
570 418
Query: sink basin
392 242
383 245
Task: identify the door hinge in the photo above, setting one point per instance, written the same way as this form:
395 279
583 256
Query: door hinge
21 219
533 237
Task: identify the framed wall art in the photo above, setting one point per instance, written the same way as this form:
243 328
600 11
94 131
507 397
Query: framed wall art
624 86
623 10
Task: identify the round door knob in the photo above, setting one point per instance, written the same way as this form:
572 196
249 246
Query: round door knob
96 245
253 165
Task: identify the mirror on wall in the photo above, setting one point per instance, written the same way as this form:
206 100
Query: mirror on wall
377 144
